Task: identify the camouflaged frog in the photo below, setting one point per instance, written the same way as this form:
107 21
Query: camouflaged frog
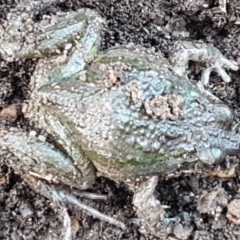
125 113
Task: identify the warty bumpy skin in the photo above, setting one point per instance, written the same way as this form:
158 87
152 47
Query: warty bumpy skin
125 113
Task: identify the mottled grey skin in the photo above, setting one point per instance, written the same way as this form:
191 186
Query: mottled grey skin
121 139
99 128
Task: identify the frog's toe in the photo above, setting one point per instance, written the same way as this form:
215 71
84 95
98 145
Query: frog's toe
64 196
218 67
205 76
221 72
229 64
224 63
149 209
225 77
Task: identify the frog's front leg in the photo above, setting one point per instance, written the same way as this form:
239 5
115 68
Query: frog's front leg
149 209
185 51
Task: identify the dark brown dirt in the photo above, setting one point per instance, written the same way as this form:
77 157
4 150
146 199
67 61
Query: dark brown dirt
25 214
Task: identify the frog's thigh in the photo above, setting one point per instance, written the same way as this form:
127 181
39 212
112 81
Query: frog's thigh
66 138
79 49
41 159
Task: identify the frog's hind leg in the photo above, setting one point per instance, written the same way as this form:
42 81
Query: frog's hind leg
64 136
33 158
63 197
149 209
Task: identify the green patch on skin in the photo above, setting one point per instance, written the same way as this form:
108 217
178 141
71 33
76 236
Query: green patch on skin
32 54
57 77
95 48
91 77
146 158
80 17
127 167
178 153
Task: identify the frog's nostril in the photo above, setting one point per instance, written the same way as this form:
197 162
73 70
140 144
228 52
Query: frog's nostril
223 115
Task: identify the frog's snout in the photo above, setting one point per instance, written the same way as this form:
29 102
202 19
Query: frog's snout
223 115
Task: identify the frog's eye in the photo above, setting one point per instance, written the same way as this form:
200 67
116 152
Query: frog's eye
223 115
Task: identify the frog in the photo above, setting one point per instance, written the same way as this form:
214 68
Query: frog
126 113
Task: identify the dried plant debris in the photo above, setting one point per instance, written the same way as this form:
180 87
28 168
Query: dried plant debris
233 213
10 112
155 24
223 174
212 202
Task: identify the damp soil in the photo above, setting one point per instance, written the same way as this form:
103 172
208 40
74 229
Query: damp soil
200 201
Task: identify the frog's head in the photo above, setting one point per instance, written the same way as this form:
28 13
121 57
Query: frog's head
195 112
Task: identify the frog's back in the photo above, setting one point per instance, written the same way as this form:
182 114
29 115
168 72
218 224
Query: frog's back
143 119
135 117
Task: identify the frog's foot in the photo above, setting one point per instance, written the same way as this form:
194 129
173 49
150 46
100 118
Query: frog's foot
183 52
63 197
149 209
